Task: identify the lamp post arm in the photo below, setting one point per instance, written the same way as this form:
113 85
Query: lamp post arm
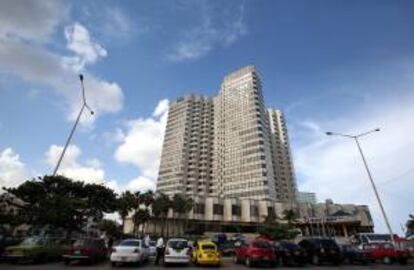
368 132
387 223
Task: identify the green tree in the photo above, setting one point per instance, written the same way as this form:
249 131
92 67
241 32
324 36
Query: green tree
276 230
147 199
62 203
139 218
290 216
160 207
125 203
188 206
110 228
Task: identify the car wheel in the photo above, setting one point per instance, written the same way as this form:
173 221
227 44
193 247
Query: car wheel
316 260
403 261
113 264
386 260
66 261
248 262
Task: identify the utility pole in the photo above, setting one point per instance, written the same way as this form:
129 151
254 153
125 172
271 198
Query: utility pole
84 105
355 138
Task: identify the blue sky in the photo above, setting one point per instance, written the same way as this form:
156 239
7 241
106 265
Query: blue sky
330 65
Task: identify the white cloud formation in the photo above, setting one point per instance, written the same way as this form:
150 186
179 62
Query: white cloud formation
200 39
39 66
79 41
332 166
91 172
12 170
142 146
140 184
31 19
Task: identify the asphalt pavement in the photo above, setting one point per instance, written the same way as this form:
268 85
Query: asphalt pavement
226 264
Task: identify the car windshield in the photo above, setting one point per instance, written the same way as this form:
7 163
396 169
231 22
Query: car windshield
328 243
177 244
261 244
83 243
388 245
130 243
32 241
208 247
378 237
152 243
289 245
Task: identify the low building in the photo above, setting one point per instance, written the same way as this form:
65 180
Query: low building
232 215
306 197
332 219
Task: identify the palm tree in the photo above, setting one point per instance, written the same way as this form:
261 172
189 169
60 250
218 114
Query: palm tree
290 216
188 206
147 199
125 203
139 218
161 205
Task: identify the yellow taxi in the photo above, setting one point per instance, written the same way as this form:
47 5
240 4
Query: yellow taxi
205 253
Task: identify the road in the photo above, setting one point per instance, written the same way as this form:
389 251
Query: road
227 264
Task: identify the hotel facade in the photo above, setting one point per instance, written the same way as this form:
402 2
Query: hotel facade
228 146
231 155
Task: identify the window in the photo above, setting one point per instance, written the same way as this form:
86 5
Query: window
199 208
218 209
236 210
254 210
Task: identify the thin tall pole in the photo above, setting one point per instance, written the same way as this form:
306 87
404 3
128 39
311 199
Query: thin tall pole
375 190
74 126
68 140
355 137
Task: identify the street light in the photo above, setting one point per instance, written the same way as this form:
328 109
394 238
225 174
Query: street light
84 105
355 137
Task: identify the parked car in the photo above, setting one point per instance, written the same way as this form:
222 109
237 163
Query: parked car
289 253
254 252
88 250
206 253
153 249
353 255
386 253
177 251
227 248
6 241
129 251
35 249
321 250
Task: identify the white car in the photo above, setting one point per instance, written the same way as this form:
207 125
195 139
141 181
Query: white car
152 249
177 250
129 251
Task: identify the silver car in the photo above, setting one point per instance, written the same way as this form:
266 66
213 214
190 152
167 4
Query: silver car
177 250
129 251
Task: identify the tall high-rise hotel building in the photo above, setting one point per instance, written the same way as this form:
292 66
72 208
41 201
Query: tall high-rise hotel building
229 146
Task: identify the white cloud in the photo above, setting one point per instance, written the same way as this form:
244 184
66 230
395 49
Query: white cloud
140 184
200 39
70 167
31 19
142 146
79 41
332 166
39 66
161 108
12 170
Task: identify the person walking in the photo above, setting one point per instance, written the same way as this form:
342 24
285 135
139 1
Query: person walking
160 250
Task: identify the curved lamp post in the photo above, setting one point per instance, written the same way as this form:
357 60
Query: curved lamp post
355 138
84 105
